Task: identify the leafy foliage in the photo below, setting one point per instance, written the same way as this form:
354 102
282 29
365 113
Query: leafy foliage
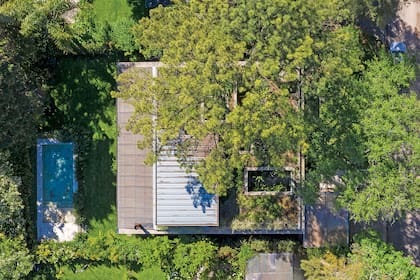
194 258
267 212
370 258
391 127
180 258
334 102
154 273
12 221
20 97
101 27
380 260
98 272
15 260
329 266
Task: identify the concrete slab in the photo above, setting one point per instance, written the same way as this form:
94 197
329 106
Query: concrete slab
324 225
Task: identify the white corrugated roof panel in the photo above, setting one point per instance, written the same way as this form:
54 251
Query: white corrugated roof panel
181 200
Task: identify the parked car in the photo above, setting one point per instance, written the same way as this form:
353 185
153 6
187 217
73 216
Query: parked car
398 49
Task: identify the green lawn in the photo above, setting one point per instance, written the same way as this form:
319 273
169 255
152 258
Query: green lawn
99 194
113 10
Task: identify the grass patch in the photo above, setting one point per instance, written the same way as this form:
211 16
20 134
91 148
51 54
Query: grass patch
114 10
96 272
111 10
98 195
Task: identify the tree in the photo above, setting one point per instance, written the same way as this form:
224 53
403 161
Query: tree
214 51
12 221
390 124
370 258
329 266
15 259
333 110
193 259
20 98
380 260
42 22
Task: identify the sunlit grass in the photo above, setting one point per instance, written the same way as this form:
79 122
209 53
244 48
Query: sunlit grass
112 10
98 227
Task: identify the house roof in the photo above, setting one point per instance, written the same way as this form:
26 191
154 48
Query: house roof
164 198
270 266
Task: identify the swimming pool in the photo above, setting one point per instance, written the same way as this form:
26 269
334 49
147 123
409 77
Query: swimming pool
56 173
56 185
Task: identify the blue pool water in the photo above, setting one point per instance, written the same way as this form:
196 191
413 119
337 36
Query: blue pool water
58 174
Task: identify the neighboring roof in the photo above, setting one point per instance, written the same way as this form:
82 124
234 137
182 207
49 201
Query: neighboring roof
273 266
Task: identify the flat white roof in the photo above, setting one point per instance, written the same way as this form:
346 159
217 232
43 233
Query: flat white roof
181 200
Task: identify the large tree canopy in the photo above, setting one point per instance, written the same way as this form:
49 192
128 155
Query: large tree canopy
29 35
265 81
390 185
19 95
231 73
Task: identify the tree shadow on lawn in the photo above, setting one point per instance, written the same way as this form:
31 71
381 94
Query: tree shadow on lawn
82 110
138 8
97 189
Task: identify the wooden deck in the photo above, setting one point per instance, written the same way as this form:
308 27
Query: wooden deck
134 178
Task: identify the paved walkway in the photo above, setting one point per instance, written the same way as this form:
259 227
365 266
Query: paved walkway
324 225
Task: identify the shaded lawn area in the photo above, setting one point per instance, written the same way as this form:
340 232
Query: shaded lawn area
98 193
82 110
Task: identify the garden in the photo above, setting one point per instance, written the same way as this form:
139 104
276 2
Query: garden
280 211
